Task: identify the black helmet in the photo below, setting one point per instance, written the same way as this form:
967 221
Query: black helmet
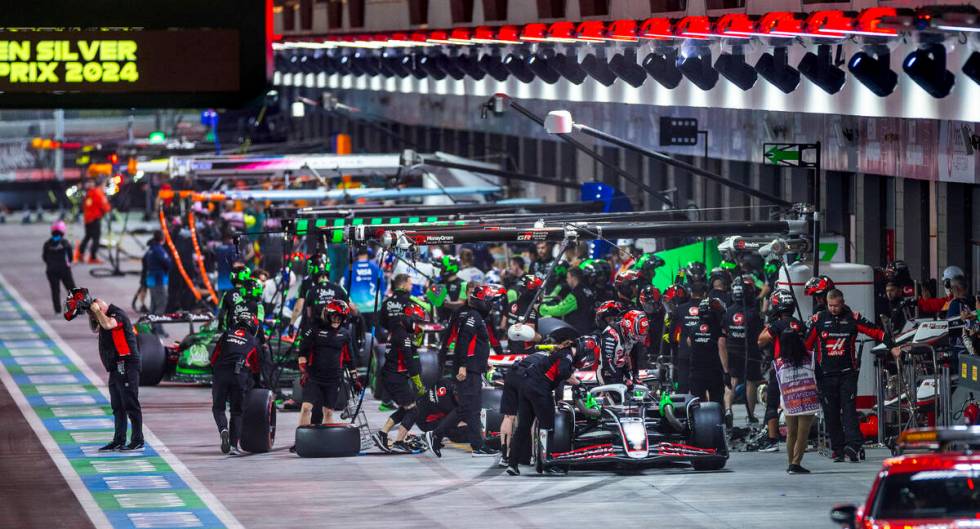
246 320
676 295
695 272
781 301
897 271
627 281
709 309
650 300
586 352
743 289
647 265
597 271
721 274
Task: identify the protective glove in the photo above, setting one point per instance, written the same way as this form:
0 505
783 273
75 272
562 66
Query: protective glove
356 381
728 380
419 387
304 376
121 367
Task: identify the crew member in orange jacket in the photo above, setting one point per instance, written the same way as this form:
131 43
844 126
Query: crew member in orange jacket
95 206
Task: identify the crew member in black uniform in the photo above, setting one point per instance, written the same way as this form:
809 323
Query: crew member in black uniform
897 306
742 325
325 352
120 357
706 339
401 377
720 286
598 275
651 302
832 337
526 289
577 308
542 260
448 295
235 356
537 397
470 341
438 406
57 256
241 298
510 397
684 320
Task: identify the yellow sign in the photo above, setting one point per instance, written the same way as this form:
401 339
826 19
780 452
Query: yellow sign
69 61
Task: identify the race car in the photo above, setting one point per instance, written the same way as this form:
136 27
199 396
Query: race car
630 427
189 359
938 489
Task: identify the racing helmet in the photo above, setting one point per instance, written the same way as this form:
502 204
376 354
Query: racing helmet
781 301
949 273
586 352
647 265
818 286
897 270
246 320
635 325
78 301
484 296
58 226
627 281
252 288
709 309
695 272
240 274
318 266
743 289
414 315
599 271
651 300
720 274
676 295
606 311
448 264
336 307
529 283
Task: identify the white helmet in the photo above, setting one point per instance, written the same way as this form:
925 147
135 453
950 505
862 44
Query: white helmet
952 271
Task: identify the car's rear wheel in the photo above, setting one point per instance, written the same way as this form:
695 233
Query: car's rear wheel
153 358
708 431
559 440
492 418
259 421
431 371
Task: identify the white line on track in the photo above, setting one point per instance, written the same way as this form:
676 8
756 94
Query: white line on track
85 497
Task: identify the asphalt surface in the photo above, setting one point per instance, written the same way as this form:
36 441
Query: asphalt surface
279 489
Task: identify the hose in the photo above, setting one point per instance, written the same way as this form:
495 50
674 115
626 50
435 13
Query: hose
199 258
176 256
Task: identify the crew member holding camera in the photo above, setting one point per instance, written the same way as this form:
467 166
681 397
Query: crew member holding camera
120 357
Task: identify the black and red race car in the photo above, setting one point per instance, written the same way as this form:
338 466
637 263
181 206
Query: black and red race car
631 427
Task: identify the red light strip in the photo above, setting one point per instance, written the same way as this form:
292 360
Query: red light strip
697 27
657 28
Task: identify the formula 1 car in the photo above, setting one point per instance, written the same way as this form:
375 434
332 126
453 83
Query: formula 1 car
629 427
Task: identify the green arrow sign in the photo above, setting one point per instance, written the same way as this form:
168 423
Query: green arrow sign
783 154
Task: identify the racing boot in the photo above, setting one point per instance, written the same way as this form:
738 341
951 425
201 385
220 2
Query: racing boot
512 470
838 457
234 451
729 419
555 471
400 447
484 451
852 454
502 460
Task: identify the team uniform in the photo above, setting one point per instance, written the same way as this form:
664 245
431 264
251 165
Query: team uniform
234 358
328 354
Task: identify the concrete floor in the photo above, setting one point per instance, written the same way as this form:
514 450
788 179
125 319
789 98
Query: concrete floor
278 489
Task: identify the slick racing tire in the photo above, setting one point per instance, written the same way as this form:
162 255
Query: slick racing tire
259 421
492 418
328 440
708 431
431 371
153 359
559 440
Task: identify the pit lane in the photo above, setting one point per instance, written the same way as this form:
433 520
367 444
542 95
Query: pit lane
278 489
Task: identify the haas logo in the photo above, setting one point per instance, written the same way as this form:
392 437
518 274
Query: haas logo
738 318
824 335
704 327
693 311
441 391
795 326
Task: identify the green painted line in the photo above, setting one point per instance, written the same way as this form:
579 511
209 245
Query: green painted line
84 467
30 390
108 500
45 412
